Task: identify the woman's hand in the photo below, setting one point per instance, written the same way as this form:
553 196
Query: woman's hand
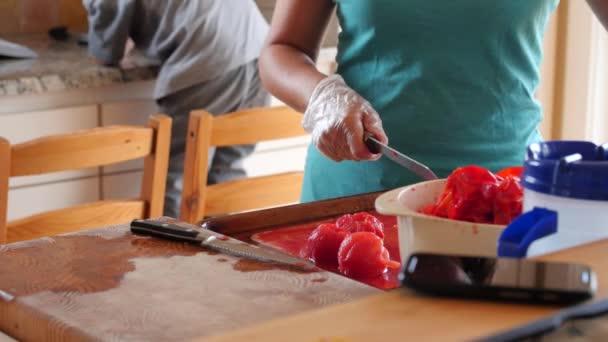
338 119
336 115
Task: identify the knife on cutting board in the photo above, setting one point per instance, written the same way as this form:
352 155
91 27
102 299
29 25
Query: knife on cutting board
416 167
215 241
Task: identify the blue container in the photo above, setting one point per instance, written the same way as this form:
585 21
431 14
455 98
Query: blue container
570 180
572 169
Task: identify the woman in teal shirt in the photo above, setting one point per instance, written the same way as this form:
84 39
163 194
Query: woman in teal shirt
450 83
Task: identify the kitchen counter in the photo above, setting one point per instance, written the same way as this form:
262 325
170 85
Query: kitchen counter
64 66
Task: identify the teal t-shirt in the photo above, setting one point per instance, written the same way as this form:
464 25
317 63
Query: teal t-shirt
453 81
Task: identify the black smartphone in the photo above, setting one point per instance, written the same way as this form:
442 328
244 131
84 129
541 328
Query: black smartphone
508 279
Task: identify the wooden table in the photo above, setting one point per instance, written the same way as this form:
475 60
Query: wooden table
109 284
400 315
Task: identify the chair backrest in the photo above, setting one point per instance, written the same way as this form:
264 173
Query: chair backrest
242 127
84 149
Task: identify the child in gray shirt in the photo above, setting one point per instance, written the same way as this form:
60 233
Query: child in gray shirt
208 52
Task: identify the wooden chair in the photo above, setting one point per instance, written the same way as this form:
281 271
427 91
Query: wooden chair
84 149
243 127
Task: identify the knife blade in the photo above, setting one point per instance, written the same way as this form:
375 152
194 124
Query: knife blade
416 167
216 242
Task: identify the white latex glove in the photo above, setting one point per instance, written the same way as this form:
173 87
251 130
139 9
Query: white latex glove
338 118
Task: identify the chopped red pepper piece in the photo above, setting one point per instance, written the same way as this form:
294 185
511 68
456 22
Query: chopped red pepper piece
363 255
475 194
323 244
361 222
509 200
511 171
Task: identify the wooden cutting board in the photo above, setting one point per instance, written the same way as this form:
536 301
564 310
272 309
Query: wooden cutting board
108 284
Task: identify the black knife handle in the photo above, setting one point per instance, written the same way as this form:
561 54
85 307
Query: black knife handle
371 144
164 230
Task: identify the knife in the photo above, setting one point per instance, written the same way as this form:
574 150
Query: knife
217 242
544 326
421 170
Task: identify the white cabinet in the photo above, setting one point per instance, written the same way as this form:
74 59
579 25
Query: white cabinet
277 156
28 200
121 185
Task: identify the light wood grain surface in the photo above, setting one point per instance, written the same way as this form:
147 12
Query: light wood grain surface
401 316
95 147
156 166
108 284
5 162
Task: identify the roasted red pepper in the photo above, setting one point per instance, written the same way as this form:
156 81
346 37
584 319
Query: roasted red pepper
323 244
474 194
509 200
361 222
514 171
363 255
354 244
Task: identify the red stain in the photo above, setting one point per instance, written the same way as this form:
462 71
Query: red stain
475 229
223 238
292 239
413 189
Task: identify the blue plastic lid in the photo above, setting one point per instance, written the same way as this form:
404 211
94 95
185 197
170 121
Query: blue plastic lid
525 229
574 169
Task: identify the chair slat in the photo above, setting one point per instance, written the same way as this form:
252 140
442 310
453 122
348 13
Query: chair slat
93 215
253 193
156 166
270 124
5 166
196 166
97 147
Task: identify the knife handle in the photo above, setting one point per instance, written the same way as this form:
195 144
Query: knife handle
163 229
372 144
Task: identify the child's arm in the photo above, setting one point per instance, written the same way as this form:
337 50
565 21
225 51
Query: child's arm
109 27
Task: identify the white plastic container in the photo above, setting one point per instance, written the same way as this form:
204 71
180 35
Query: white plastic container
571 178
423 233
579 221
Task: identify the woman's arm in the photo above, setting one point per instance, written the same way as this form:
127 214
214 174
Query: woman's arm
287 63
335 115
600 8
